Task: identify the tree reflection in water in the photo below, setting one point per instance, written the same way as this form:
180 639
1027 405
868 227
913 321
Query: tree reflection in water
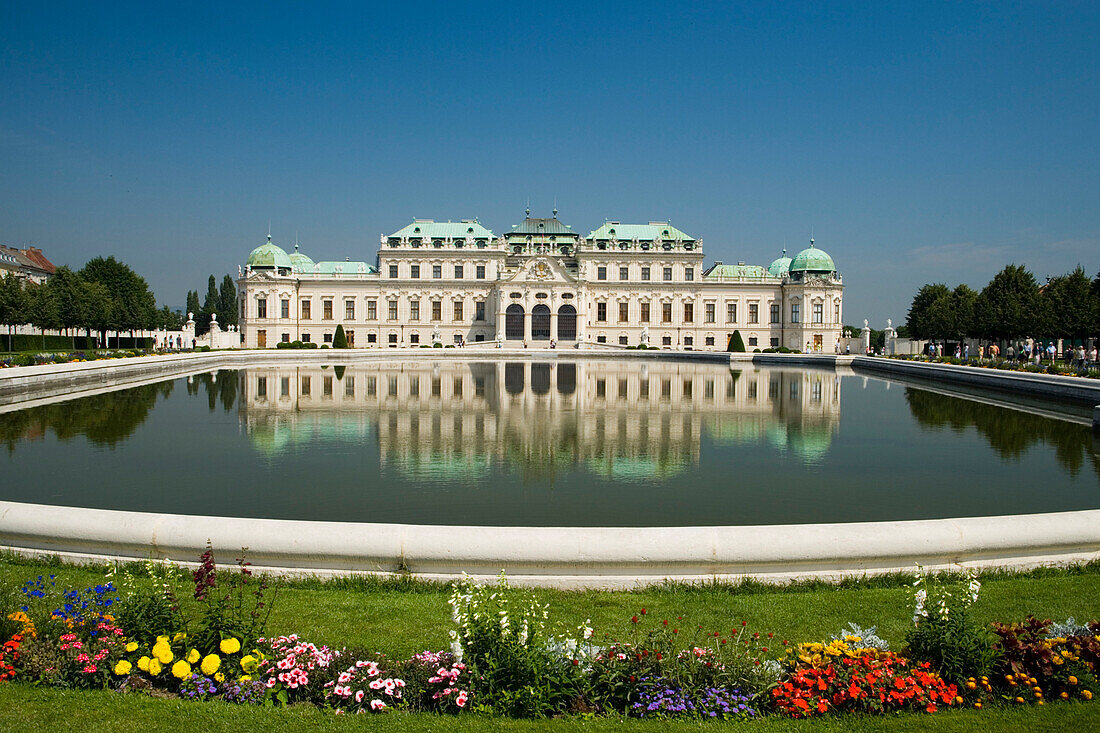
1011 433
104 419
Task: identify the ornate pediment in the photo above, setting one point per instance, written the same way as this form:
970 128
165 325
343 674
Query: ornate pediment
542 270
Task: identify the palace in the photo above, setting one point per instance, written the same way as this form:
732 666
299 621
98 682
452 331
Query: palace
541 283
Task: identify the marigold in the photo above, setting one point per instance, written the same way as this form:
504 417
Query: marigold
132 646
163 652
210 664
230 645
143 663
123 668
1087 694
181 669
193 656
155 667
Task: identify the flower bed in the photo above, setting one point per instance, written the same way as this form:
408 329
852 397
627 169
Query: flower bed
207 641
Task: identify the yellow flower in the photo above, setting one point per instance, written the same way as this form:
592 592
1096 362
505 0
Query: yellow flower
246 678
132 646
210 664
163 652
143 664
1087 694
193 656
249 663
154 666
219 677
230 645
161 639
180 636
1072 680
123 667
181 669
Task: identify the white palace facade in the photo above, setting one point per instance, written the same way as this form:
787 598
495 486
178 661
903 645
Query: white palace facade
541 283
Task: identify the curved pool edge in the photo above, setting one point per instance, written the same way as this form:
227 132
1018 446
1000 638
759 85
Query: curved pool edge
563 557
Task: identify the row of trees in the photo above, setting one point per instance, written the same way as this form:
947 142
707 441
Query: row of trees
222 301
1013 305
105 295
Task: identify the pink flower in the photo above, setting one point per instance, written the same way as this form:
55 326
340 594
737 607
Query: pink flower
90 669
460 700
359 694
377 705
344 677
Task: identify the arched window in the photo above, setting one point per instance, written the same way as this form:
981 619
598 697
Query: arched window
540 323
513 322
567 323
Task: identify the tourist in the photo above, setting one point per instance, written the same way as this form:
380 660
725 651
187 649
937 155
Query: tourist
1092 354
1052 351
1010 353
966 351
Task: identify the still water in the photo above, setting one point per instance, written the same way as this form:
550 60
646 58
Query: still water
589 443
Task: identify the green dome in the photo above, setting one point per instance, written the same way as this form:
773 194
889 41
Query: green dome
812 259
269 255
781 266
299 260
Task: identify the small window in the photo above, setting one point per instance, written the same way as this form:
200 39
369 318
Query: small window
391 310
284 308
645 273
479 310
415 269
372 310
349 310
393 339
372 338
414 338
689 313
601 312
285 338
261 307
645 313
601 339
689 340
752 341
480 272
624 273
601 273
731 312
666 312
326 310
773 312
458 272
457 310
709 341
393 271
437 271
689 273
624 312
668 273
414 310
666 341
754 313
794 313
437 310
328 338
622 342
708 313
775 341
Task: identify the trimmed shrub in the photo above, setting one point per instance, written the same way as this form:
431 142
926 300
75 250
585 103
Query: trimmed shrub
340 339
736 343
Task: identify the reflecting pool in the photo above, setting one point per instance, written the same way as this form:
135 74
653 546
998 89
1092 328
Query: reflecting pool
571 443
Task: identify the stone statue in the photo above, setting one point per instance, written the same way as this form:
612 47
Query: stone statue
889 324
865 324
437 337
645 335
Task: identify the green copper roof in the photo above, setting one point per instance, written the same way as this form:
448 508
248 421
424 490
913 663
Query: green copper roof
442 229
337 268
780 266
812 259
268 255
649 232
539 227
722 272
300 260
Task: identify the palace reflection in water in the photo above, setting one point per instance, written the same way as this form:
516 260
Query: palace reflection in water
619 419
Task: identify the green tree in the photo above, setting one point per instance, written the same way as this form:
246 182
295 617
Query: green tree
960 314
67 291
1070 305
95 304
926 310
193 306
13 304
1006 308
42 308
132 304
209 306
227 302
736 343
339 340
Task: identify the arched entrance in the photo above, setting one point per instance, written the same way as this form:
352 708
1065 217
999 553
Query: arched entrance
540 323
567 323
513 322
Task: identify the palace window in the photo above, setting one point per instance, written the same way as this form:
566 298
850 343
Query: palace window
754 313
818 312
668 273
794 313
414 310
306 338
601 273
688 341
774 312
285 338
689 313
622 383
349 310
414 338
261 307
689 273
327 337
393 271
601 312
645 273
415 271
624 312
752 341
480 272
372 338
437 271
708 313
392 338
601 339
666 341
645 313
326 310
624 273
666 312
836 313
437 310
479 310
731 312
775 341
458 272
709 341
392 310
458 310
284 308
372 310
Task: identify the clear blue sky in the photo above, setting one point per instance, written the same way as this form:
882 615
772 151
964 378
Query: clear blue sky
920 141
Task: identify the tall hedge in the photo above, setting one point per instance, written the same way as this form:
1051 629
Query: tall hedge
340 339
736 343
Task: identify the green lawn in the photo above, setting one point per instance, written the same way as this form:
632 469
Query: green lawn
400 618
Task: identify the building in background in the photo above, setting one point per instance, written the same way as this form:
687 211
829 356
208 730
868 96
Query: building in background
27 263
541 282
